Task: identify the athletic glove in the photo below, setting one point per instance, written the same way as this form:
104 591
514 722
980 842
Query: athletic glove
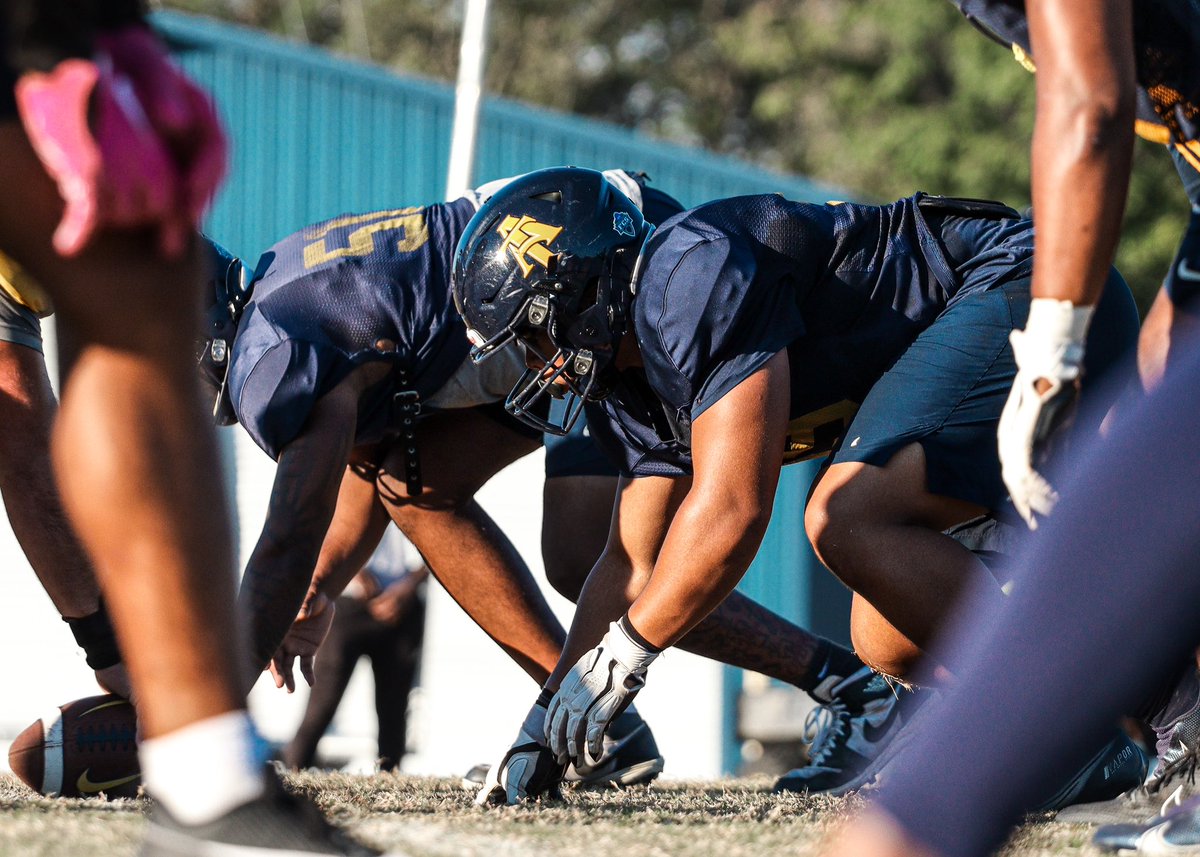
1049 354
130 141
528 770
598 688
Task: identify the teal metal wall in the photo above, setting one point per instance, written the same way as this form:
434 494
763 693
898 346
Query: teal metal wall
316 135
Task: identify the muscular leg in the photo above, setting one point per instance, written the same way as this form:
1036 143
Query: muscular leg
27 409
466 551
880 531
133 458
1039 687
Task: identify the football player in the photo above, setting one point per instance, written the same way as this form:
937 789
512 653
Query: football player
737 336
343 357
1102 73
110 166
35 512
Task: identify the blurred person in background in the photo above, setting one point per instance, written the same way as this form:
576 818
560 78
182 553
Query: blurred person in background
379 616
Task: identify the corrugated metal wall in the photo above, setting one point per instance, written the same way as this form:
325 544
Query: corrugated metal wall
314 136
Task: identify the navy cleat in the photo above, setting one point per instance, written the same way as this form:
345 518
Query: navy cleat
1176 833
1168 787
1117 767
631 757
849 731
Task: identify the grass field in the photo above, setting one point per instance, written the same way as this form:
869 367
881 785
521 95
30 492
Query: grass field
426 817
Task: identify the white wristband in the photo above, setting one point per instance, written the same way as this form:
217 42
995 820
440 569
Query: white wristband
623 648
1052 344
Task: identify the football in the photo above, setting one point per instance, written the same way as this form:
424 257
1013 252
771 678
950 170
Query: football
85 748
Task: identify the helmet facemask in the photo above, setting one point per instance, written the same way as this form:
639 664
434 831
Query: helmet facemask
228 293
583 330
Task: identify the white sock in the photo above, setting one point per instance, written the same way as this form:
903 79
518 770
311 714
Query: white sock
205 769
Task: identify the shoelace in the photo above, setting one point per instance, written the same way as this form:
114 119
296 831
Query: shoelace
825 723
1181 770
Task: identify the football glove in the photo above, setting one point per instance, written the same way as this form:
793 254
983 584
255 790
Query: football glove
598 688
129 140
1049 353
528 770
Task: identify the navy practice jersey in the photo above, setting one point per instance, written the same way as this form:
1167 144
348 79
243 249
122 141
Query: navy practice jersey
352 290
722 288
1166 36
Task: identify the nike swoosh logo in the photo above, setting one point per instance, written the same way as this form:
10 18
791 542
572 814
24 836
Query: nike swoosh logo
104 705
1186 272
87 787
874 732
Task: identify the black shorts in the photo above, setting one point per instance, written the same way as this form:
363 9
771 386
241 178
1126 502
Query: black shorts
575 453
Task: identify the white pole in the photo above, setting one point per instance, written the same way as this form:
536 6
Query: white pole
468 94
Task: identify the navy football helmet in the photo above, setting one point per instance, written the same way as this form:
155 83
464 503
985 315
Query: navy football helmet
226 293
549 260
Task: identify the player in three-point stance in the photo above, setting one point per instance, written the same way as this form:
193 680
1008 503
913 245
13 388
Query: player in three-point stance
735 337
343 357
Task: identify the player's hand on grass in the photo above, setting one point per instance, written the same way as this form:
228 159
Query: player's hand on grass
1041 405
598 688
129 140
527 771
303 639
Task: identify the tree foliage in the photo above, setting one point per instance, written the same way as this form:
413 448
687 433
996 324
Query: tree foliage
880 98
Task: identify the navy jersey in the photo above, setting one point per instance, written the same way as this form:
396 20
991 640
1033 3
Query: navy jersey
352 290
1166 36
722 288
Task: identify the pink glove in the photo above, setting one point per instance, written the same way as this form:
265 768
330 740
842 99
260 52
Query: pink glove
130 141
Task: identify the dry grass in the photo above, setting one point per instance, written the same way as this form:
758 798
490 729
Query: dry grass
426 817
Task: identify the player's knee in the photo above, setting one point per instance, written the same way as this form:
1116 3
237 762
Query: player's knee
830 524
883 649
565 577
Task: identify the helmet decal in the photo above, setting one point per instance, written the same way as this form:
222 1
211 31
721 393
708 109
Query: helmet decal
527 239
623 224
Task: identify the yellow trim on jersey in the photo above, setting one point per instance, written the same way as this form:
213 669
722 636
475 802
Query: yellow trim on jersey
1190 152
1023 58
23 288
830 422
1152 131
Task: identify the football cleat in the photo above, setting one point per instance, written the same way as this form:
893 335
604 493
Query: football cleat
631 757
277 824
1119 766
1171 784
1176 833
848 733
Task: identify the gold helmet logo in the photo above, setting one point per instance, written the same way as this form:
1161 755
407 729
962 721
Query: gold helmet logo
526 239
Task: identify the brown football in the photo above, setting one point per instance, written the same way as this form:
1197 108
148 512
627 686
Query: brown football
85 748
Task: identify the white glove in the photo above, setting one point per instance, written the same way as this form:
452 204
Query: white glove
598 688
528 770
1049 349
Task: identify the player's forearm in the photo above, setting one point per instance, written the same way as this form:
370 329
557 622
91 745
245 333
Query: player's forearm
1082 145
609 590
711 543
274 586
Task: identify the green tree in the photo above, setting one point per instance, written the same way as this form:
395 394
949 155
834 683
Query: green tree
880 98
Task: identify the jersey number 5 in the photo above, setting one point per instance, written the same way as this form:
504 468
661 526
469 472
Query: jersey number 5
361 241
